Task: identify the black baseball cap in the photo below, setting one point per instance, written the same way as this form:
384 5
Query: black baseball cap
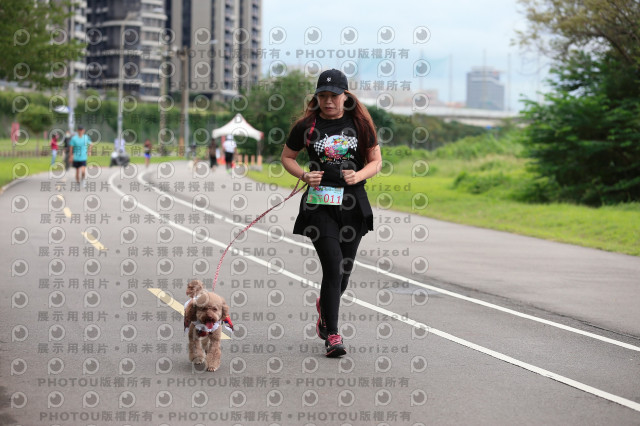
80 127
332 80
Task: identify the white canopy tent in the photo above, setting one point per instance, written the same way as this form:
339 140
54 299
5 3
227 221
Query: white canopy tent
238 126
239 129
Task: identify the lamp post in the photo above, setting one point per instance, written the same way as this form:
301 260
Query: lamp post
71 119
163 83
129 16
183 54
163 93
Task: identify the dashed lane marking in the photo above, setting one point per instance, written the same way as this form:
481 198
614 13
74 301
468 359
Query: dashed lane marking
87 235
66 210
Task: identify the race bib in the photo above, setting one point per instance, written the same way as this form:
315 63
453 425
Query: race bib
327 195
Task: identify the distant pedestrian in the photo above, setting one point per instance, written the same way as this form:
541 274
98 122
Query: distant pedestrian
80 147
54 148
118 144
230 151
65 149
213 153
147 152
192 151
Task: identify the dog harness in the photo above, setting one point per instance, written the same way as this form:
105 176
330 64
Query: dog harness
201 329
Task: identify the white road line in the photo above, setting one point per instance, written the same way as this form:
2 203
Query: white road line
545 373
412 281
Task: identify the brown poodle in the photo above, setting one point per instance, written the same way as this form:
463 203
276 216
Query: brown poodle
203 315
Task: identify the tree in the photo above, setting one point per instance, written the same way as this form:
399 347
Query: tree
34 47
272 107
36 118
556 27
585 137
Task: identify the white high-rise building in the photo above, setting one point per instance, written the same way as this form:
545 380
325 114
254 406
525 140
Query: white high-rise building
224 42
75 29
141 24
484 89
223 38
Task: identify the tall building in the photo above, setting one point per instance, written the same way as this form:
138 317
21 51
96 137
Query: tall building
249 38
484 89
223 38
135 28
75 28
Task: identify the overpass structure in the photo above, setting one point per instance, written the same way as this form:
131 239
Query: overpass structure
470 116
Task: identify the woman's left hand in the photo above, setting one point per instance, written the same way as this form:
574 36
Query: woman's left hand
350 177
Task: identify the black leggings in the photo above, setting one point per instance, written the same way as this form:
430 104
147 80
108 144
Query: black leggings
337 259
228 159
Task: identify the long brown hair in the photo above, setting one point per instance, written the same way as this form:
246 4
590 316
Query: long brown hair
365 129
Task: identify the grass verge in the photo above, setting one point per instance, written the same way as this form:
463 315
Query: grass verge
12 168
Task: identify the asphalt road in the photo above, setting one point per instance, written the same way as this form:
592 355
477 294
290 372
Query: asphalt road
444 324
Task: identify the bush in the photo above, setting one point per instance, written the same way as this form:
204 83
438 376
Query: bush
535 190
480 183
36 118
474 147
585 137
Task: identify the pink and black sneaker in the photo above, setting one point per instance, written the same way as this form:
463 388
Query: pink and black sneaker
335 347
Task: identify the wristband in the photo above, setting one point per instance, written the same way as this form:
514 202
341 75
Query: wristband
303 175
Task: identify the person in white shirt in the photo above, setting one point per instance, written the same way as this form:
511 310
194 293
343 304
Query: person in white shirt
230 151
118 144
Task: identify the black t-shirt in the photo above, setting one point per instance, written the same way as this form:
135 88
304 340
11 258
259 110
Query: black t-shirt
332 147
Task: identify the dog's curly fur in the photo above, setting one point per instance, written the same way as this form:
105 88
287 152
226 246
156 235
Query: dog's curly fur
208 308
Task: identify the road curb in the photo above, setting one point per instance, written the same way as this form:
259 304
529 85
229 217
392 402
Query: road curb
10 184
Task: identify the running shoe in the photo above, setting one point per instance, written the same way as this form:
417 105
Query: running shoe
321 327
335 347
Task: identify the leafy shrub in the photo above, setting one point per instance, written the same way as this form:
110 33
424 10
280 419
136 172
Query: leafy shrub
481 183
585 137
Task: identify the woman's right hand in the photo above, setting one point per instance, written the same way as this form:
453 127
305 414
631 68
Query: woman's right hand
313 178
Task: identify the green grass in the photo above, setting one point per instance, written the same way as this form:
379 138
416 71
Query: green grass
100 148
20 167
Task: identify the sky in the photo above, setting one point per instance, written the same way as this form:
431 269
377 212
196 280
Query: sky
452 36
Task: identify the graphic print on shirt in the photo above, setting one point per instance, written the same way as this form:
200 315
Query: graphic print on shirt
335 149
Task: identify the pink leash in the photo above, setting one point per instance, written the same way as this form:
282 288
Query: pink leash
293 192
